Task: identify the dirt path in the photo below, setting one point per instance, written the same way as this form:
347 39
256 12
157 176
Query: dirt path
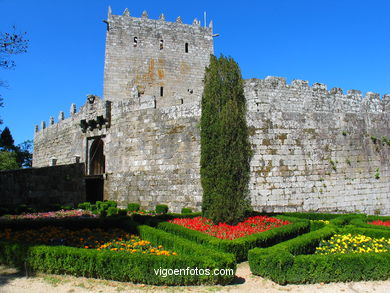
12 281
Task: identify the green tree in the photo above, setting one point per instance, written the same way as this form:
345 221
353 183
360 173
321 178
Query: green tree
6 140
22 153
225 147
8 160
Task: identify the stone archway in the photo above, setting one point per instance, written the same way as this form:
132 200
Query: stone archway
96 157
94 181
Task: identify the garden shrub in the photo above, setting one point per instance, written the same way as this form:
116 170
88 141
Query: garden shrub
112 211
240 246
186 210
161 209
133 207
293 261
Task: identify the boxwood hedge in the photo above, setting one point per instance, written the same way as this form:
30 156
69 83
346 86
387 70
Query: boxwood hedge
293 261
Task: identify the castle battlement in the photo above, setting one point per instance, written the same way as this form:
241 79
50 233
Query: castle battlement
299 96
161 21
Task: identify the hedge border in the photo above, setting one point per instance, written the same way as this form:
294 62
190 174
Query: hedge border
292 261
240 246
121 266
363 222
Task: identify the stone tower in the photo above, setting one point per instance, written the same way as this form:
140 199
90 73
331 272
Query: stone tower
156 58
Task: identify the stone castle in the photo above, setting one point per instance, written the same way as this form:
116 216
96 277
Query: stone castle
314 149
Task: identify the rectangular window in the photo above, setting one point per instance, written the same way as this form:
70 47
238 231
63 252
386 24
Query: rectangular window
161 91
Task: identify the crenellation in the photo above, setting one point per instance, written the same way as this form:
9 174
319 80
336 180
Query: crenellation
126 12
320 87
43 125
73 109
301 84
51 119
61 116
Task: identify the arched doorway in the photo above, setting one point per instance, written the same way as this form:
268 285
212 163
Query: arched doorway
96 157
94 182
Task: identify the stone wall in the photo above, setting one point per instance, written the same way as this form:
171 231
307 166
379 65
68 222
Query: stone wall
41 187
153 156
316 150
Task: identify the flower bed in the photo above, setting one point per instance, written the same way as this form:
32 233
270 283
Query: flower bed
55 214
114 240
372 222
296 261
240 246
348 243
250 226
380 223
113 255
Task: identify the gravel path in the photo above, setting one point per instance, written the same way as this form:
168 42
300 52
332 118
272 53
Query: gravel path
12 281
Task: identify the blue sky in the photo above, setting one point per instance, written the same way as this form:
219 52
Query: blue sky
343 44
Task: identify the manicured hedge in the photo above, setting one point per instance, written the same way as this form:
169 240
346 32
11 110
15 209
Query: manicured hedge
293 262
240 246
124 266
364 220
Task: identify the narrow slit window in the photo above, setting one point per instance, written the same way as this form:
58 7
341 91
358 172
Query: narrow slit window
135 43
186 48
161 44
161 91
181 101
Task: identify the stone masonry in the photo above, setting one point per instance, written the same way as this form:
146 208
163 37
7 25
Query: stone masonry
314 149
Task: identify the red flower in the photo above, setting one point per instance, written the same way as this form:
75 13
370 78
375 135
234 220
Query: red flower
380 223
224 231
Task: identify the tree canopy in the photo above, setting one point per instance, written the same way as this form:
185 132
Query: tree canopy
11 156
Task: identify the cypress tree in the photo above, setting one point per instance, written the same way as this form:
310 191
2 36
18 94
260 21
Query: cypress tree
225 148
6 140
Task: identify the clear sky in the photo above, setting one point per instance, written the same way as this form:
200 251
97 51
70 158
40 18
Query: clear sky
340 43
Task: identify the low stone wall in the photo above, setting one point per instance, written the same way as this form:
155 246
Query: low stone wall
39 187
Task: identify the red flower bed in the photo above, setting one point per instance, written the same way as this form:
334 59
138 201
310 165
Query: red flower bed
380 223
224 231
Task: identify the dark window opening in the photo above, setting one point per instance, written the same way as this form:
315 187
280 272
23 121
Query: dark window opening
161 44
135 42
181 101
186 48
161 91
155 104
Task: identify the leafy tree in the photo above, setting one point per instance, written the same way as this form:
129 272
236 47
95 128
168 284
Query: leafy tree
21 154
225 147
8 160
10 44
6 140
24 154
